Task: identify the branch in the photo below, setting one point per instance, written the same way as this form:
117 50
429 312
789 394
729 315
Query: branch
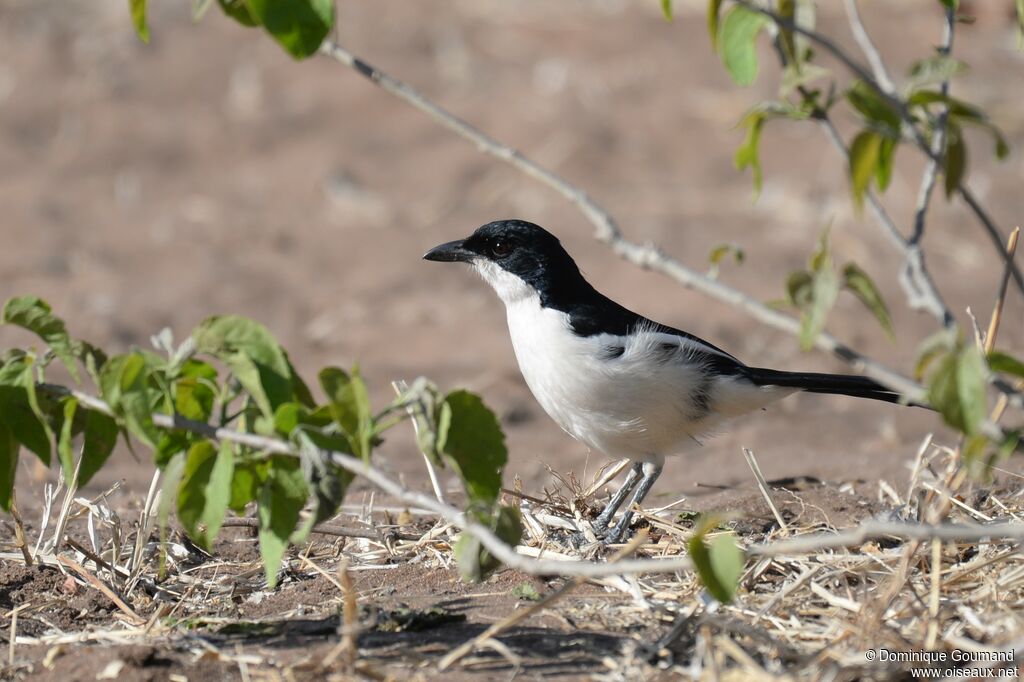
892 98
507 555
938 147
867 46
875 530
608 232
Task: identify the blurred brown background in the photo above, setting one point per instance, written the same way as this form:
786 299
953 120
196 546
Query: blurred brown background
152 186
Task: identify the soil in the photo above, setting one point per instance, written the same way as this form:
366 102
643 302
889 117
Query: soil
152 186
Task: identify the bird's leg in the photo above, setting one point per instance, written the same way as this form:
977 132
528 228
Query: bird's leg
605 517
600 524
651 472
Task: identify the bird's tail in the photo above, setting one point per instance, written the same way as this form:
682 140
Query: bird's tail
836 384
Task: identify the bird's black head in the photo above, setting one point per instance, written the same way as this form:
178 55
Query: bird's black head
519 248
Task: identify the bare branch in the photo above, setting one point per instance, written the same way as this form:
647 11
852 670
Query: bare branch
938 147
873 530
867 46
607 230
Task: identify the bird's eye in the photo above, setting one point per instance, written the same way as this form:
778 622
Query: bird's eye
500 249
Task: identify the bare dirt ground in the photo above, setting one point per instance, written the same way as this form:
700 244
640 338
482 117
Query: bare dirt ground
151 186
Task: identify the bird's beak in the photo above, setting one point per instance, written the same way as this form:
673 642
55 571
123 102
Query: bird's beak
450 252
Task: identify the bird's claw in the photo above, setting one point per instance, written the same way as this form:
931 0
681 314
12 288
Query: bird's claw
604 535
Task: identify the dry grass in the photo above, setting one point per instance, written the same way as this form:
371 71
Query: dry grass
804 615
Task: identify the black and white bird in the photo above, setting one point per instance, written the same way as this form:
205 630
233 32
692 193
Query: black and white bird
618 382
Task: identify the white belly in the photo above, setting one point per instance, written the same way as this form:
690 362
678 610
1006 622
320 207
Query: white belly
626 406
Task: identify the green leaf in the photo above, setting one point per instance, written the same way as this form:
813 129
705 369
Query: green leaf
972 381
666 9
800 289
474 561
860 285
245 485
138 10
951 5
936 345
877 112
24 425
738 43
823 291
349 407
253 356
20 408
281 498
1019 4
33 313
99 441
205 490
298 25
64 453
718 254
956 388
474 446
886 159
237 10
193 392
8 465
124 384
168 497
864 157
748 154
171 443
720 566
326 481
714 12
1005 363
430 414
793 78
963 114
933 70
956 159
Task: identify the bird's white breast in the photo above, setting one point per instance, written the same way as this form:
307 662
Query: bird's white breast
625 406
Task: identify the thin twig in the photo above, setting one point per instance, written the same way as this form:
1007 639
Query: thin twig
867 46
14 632
997 309
332 530
763 487
401 387
135 618
938 146
871 530
19 530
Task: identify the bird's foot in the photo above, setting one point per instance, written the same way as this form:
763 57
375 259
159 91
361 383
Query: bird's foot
602 533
